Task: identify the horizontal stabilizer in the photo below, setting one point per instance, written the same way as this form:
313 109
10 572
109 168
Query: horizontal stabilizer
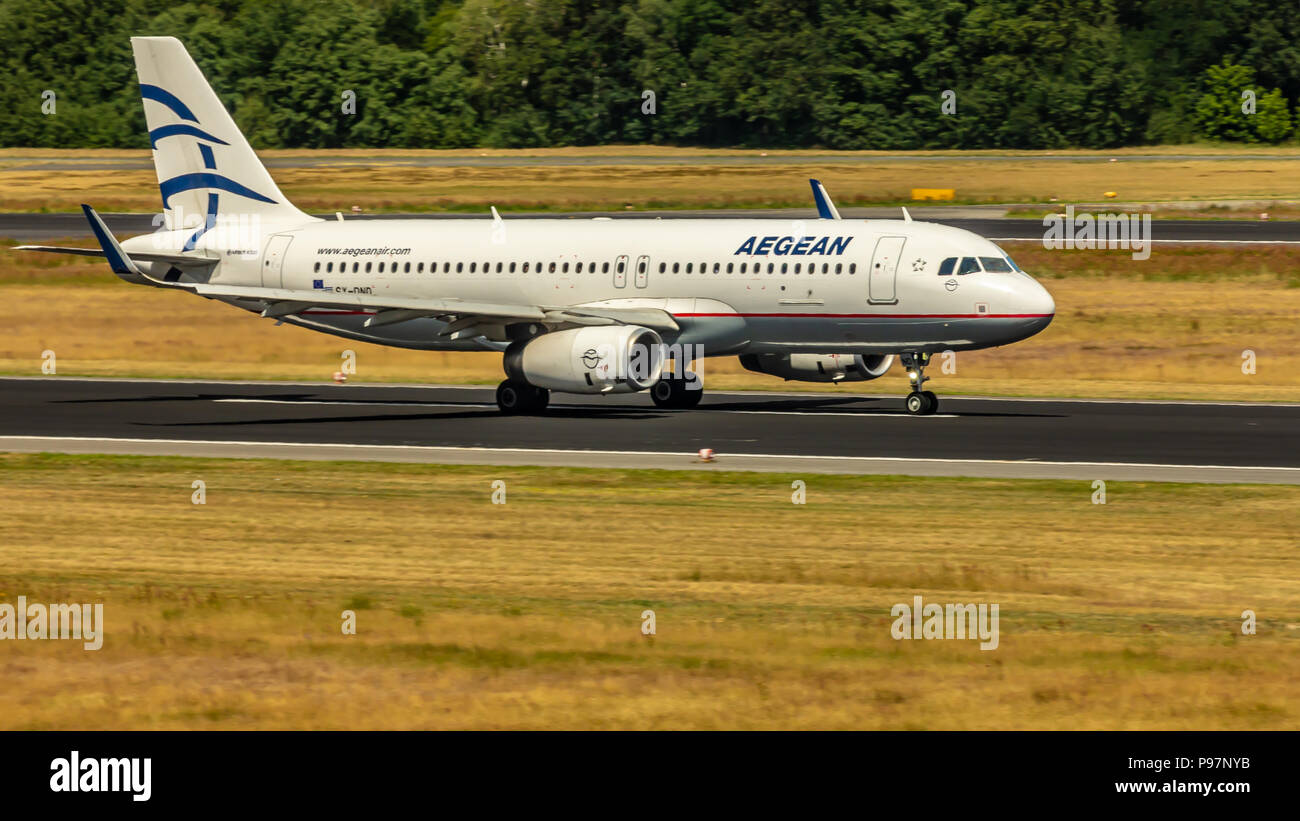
181 260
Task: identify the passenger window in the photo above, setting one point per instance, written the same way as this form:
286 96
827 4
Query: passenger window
729 267
551 268
317 268
717 267
771 267
640 267
675 267
368 264
968 266
446 267
945 267
604 268
419 267
663 266
742 267
853 267
381 267
406 269
565 268
784 267
797 266
329 267
688 266
839 267
995 265
460 266
525 267
623 263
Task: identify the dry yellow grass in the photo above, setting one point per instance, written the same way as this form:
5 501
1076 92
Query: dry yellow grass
696 183
528 615
1173 326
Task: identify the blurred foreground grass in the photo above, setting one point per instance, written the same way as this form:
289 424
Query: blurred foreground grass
529 614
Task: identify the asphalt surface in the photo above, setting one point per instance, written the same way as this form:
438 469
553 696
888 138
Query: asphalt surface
841 433
36 228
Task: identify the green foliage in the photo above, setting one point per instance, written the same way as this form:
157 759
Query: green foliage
1234 108
1273 119
773 73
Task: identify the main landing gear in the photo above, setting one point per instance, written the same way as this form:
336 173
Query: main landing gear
520 398
919 402
671 392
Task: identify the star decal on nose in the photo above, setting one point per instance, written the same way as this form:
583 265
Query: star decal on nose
918 264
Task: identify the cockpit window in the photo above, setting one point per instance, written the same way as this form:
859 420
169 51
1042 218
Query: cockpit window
945 267
1014 266
996 265
968 266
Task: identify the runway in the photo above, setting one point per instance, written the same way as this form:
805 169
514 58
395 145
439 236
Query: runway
34 228
813 433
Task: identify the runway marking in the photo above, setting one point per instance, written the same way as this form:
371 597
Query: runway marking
365 403
1190 241
683 454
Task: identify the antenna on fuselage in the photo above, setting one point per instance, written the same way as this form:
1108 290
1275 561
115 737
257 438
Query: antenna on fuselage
906 216
495 216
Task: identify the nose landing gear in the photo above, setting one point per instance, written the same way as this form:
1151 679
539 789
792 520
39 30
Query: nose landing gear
919 402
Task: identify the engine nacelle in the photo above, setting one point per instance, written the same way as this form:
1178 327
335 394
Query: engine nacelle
602 359
811 367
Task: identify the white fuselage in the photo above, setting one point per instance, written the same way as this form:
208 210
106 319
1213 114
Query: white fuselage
734 285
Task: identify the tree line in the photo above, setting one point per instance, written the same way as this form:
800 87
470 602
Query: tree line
872 74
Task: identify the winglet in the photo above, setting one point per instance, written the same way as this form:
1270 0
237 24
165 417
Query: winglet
117 258
825 208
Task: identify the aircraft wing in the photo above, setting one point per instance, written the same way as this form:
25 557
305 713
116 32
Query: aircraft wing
463 314
464 317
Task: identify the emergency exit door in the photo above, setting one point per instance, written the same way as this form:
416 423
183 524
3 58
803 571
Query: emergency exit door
273 261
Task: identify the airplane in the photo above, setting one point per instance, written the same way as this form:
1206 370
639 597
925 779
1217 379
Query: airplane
591 306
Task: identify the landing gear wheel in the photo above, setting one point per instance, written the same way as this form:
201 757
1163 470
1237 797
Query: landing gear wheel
676 393
520 397
919 402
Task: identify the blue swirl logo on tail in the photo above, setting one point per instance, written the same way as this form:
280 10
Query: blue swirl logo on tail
203 179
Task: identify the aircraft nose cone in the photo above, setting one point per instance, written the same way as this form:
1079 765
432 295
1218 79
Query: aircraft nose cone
1040 305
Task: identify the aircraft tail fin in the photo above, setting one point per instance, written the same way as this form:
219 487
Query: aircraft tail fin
206 168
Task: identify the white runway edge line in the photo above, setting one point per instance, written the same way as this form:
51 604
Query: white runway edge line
1184 241
658 460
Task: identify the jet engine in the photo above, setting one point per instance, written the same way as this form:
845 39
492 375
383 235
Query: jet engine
601 359
809 367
